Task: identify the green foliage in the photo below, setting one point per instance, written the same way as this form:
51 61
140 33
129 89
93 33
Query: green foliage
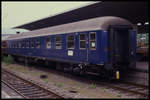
104 89
8 59
46 80
118 95
93 86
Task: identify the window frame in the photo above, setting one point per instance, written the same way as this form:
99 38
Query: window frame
82 40
27 43
37 43
95 40
71 41
32 45
46 45
15 44
60 42
12 45
23 44
19 44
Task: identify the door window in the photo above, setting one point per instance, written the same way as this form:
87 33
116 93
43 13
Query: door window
93 40
82 39
58 42
48 43
70 41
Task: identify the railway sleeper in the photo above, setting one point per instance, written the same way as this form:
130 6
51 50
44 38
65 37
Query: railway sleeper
131 87
136 88
31 93
38 95
22 85
26 89
48 96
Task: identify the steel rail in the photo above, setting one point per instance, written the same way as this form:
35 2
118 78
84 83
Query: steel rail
127 89
27 82
13 88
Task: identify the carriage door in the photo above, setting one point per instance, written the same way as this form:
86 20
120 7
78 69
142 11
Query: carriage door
92 54
83 47
119 44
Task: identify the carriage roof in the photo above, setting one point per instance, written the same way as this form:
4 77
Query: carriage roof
99 23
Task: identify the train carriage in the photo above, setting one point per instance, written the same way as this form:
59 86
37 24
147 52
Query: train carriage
103 44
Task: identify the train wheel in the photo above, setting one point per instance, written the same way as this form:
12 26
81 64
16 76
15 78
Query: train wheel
78 70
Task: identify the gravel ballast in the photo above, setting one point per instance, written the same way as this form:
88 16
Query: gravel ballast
67 87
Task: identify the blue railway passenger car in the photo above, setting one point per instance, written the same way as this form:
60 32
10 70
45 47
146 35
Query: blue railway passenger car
103 45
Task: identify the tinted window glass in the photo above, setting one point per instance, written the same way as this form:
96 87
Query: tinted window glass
48 43
70 42
93 40
32 43
58 42
82 37
27 44
38 43
17 44
22 44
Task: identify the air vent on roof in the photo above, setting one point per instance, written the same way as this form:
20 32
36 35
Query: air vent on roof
17 32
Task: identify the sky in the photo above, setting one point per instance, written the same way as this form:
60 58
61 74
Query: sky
19 13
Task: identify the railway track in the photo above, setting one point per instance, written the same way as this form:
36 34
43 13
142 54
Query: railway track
128 87
125 87
26 88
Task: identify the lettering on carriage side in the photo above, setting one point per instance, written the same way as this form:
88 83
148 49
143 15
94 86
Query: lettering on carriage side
70 53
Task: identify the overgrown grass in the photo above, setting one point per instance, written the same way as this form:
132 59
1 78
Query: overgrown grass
46 80
58 84
118 95
8 59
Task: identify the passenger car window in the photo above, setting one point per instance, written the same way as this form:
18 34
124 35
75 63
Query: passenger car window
19 44
70 41
82 39
58 42
27 44
22 44
15 44
38 43
48 43
11 45
32 43
93 40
